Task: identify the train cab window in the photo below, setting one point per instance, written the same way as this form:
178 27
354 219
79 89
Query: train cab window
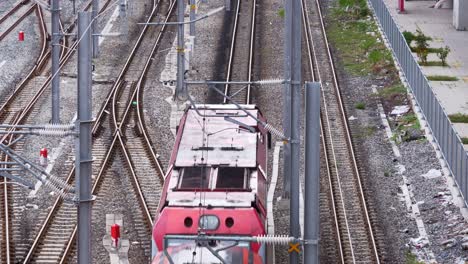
231 178
194 177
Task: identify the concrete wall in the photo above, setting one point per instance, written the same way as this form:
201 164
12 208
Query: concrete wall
460 14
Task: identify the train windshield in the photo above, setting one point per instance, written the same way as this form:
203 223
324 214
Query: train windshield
213 178
194 177
188 251
231 178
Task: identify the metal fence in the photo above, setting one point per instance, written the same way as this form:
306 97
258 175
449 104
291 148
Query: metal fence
442 129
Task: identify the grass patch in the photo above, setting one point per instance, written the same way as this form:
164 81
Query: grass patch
429 50
464 140
281 12
412 259
458 118
433 63
368 131
360 106
410 121
392 91
357 40
442 78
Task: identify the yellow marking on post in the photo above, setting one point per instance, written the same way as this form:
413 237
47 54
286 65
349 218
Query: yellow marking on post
180 49
294 247
193 7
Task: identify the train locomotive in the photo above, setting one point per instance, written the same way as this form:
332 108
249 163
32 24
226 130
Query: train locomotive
215 186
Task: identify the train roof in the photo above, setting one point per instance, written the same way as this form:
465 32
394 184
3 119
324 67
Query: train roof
214 141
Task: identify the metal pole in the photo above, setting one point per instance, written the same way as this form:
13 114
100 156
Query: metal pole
294 13
180 49
123 16
55 61
287 96
95 10
83 143
312 173
193 16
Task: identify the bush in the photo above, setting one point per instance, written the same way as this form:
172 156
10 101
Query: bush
442 54
422 46
421 40
422 55
409 37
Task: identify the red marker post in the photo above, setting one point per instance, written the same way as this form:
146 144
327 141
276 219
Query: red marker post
401 6
115 233
43 157
21 36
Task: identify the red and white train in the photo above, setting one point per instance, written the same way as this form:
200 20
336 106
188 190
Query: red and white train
216 185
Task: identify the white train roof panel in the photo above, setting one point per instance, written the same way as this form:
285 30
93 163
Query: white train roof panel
212 140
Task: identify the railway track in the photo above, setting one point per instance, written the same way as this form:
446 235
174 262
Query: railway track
240 63
109 139
15 110
353 230
10 226
13 17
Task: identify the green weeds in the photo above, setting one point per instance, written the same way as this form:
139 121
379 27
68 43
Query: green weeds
354 34
432 63
360 106
412 259
392 91
458 118
281 12
442 78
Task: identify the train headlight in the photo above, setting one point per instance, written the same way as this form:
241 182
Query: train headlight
209 222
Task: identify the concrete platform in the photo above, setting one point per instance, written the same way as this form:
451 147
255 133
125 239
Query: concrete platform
437 23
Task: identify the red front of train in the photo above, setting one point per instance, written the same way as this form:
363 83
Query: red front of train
216 185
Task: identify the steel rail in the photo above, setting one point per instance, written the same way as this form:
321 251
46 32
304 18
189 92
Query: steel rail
232 53
6 211
19 20
107 158
125 150
143 127
6 207
315 77
349 143
251 51
12 10
118 125
43 30
6 220
39 64
26 110
348 135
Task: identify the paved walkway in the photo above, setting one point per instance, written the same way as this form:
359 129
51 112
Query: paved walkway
437 23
